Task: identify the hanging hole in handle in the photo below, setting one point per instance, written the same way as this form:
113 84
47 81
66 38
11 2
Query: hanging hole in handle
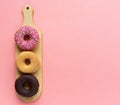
27 8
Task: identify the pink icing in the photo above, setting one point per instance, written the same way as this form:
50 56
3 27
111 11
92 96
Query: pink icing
26 44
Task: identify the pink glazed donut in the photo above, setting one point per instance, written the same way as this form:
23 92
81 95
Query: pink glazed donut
26 38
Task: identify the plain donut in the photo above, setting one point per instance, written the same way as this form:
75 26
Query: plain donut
27 62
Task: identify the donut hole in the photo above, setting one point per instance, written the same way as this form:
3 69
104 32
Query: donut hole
27 61
26 86
27 37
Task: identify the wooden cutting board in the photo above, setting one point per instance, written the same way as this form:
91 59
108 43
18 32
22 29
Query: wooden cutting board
28 21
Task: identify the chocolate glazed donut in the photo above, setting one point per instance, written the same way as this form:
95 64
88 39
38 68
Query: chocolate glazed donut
26 85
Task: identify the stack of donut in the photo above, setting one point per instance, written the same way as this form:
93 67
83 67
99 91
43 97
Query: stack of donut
27 61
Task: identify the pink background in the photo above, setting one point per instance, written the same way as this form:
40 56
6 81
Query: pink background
81 51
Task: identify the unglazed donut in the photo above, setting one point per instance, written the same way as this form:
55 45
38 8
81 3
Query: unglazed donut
26 85
27 62
26 38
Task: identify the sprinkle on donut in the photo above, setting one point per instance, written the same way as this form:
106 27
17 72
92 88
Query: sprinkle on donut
26 38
